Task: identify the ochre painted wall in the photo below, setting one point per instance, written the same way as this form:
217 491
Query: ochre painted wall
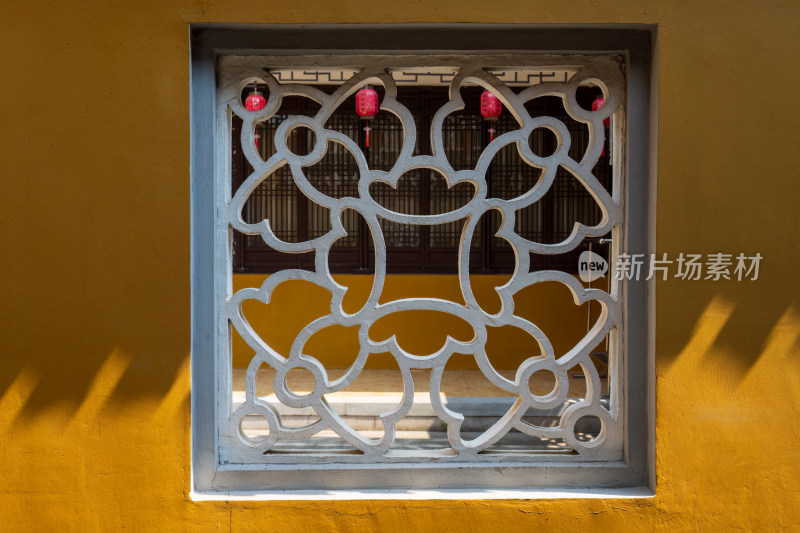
94 218
295 304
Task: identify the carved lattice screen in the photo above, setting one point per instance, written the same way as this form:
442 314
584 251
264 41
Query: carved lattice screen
287 164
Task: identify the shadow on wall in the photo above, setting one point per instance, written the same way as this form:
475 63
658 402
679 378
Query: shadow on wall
95 359
96 342
729 322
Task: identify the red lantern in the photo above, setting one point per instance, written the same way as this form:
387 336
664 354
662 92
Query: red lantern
255 101
367 106
597 104
490 110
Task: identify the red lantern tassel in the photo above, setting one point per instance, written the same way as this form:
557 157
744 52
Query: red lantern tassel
367 129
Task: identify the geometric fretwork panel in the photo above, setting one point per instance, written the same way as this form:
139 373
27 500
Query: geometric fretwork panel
281 427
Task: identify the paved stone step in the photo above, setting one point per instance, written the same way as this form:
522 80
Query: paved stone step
361 413
327 442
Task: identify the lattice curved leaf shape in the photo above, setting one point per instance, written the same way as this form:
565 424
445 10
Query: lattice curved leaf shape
603 73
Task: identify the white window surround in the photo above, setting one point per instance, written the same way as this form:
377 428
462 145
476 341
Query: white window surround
223 60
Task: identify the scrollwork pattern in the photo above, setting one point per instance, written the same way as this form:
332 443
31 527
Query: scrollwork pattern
604 74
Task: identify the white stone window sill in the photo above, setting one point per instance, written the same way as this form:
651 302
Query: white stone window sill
420 494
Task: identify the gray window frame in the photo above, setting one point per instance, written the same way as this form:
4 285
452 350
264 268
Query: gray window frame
210 478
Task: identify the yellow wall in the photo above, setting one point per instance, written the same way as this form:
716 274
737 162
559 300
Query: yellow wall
295 304
94 218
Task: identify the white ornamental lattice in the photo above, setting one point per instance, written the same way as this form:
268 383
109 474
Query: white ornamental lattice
603 72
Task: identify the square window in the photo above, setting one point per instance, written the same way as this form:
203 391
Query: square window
404 312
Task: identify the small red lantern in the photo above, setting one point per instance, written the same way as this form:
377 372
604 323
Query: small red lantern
490 110
367 106
255 101
597 104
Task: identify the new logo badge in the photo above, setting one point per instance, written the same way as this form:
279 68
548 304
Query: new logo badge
591 266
